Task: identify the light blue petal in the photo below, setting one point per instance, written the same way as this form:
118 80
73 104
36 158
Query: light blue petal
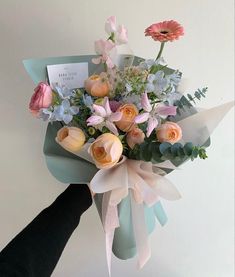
73 110
66 104
67 118
149 87
151 78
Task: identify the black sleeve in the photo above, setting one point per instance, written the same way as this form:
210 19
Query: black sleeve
36 250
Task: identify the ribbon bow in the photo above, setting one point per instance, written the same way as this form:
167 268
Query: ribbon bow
145 183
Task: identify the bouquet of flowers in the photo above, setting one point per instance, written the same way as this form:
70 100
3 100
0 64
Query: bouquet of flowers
122 131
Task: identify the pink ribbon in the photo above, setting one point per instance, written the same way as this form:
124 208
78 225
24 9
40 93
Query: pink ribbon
145 183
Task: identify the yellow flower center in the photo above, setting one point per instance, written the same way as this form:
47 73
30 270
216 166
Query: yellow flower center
172 135
128 112
95 77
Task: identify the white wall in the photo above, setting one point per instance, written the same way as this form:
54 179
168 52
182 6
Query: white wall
198 239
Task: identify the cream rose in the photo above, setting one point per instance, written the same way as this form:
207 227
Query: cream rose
106 151
98 86
135 136
129 113
169 132
70 138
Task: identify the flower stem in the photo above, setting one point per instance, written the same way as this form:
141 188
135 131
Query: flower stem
160 51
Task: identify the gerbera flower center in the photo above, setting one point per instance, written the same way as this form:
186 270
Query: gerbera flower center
164 32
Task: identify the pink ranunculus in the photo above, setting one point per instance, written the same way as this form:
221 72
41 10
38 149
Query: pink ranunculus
42 98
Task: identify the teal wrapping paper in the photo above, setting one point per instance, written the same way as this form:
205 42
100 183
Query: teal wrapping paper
68 168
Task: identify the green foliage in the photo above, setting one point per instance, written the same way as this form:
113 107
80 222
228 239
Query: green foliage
159 152
186 102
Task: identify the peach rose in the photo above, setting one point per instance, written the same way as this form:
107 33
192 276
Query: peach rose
106 150
169 132
135 136
42 98
127 122
97 85
71 138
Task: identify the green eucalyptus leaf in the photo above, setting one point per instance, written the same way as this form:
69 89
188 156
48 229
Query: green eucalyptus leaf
188 148
145 152
195 152
164 146
175 147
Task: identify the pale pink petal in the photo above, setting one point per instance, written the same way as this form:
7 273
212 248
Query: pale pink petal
94 120
99 46
115 116
110 25
107 106
166 110
99 110
111 127
141 118
152 124
145 103
109 62
97 60
121 35
108 45
114 105
102 47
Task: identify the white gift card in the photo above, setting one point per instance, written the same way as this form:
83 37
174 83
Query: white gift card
71 75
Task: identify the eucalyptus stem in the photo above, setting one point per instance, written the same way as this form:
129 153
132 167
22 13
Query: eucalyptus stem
160 51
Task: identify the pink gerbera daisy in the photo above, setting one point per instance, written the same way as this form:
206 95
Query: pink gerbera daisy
165 31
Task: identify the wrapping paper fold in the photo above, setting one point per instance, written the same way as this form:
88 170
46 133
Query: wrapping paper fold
69 168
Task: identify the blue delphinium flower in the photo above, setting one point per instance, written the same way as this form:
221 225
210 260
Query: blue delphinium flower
174 80
133 99
157 83
46 114
63 91
88 101
65 112
147 64
171 98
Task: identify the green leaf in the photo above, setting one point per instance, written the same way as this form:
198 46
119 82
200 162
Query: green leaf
156 154
188 148
175 147
164 146
145 152
195 152
197 95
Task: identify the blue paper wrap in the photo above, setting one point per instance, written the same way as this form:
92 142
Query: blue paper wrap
68 168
